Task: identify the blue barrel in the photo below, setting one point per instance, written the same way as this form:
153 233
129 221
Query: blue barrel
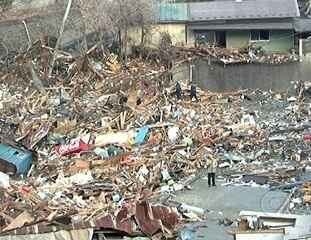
14 158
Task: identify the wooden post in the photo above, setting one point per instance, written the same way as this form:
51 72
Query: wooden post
191 74
28 35
300 49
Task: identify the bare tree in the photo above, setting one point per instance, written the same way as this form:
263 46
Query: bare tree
146 18
117 16
95 17
308 7
131 14
4 6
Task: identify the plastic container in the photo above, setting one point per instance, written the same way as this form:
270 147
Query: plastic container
15 161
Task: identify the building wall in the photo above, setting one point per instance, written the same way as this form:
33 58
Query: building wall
237 39
280 40
190 37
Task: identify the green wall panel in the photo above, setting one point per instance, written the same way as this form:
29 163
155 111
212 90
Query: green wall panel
280 40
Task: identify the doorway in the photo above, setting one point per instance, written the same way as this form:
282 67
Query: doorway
220 39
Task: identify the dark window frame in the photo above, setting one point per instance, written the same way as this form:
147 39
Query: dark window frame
262 36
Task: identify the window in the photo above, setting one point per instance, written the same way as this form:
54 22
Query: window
261 35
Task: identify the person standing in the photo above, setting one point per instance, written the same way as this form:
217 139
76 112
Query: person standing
140 96
178 91
193 92
123 98
211 170
189 143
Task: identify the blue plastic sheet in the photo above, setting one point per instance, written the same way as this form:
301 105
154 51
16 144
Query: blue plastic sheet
141 135
187 234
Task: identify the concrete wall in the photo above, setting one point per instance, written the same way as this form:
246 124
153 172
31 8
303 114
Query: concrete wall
219 78
280 40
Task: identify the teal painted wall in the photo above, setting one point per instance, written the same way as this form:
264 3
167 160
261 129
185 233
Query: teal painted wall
237 39
280 40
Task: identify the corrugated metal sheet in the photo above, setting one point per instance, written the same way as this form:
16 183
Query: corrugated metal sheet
21 159
173 12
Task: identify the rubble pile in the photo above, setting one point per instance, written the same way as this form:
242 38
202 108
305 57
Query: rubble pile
307 193
74 137
242 56
76 153
258 225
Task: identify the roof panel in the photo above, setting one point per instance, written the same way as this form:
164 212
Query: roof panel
247 9
242 26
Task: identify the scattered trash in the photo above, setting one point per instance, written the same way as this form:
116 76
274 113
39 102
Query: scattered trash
185 207
4 180
187 234
173 134
74 146
291 99
141 135
263 225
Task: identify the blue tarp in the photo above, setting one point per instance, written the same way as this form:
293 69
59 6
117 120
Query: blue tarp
141 135
22 159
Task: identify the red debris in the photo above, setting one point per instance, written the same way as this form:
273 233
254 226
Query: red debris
307 138
75 146
149 219
123 221
145 219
